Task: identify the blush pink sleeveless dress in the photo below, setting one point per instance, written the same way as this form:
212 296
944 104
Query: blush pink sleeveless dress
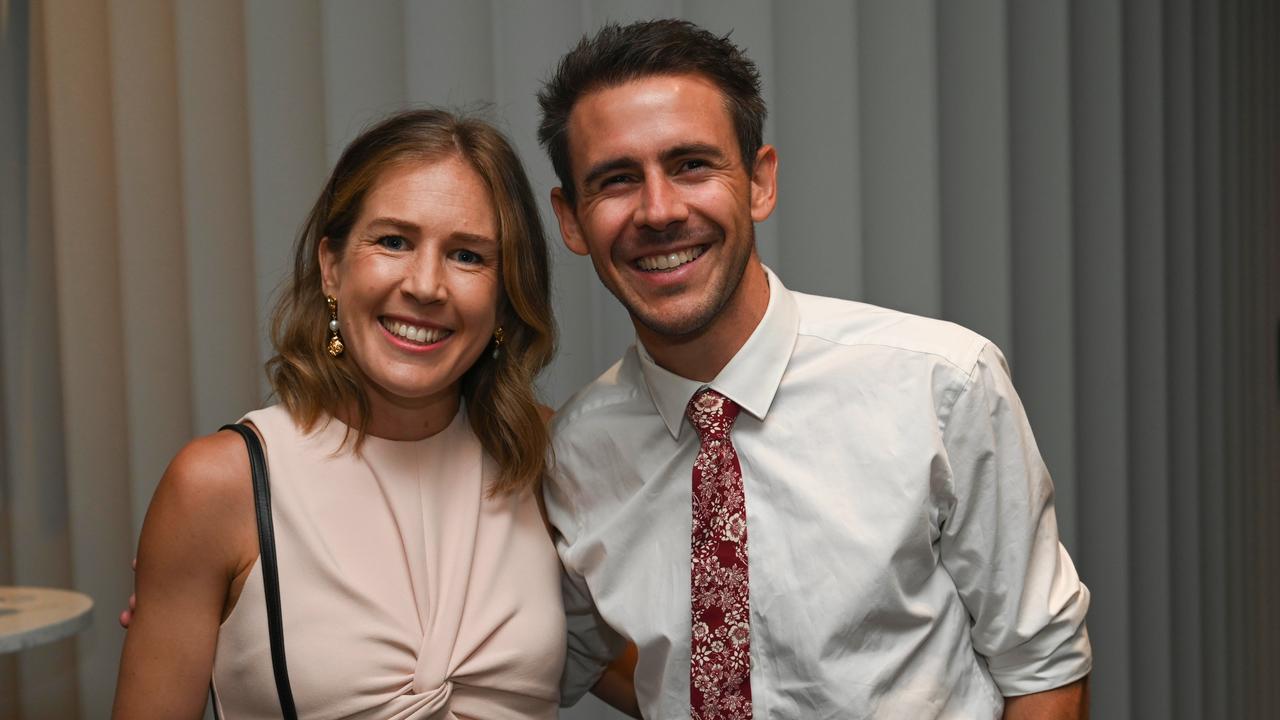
406 593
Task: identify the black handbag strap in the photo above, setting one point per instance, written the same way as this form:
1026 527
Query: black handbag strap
270 574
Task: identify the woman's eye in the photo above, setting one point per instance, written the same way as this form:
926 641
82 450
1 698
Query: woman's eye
392 242
468 257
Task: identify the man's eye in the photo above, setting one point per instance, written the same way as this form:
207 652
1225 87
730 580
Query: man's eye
468 257
693 164
392 242
615 180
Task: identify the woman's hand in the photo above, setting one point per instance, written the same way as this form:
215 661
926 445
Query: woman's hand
126 615
617 685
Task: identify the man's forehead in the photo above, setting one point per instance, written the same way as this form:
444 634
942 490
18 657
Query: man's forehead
649 113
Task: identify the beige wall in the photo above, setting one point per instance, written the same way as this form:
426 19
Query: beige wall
1091 184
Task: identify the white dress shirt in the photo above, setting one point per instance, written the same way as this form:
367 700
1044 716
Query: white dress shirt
903 547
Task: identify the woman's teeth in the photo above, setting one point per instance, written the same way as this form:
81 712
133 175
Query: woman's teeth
426 336
670 260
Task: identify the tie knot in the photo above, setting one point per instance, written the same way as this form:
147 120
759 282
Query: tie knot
712 414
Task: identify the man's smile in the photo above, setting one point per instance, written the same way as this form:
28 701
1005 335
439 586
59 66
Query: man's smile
669 261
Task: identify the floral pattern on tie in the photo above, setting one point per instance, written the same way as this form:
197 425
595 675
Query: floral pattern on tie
720 647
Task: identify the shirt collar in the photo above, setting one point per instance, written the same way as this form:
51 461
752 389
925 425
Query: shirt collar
750 379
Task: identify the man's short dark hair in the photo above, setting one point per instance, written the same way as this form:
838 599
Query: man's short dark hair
621 53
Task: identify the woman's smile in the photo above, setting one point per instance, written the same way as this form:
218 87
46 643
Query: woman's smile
414 336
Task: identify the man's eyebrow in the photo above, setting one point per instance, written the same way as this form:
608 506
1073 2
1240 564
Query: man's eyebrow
608 166
703 149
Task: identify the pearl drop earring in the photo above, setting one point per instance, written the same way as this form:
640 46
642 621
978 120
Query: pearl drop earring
334 346
497 341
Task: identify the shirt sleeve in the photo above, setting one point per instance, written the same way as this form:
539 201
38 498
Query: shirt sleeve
999 540
592 644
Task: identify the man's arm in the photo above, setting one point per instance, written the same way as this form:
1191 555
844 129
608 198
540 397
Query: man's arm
999 542
1069 702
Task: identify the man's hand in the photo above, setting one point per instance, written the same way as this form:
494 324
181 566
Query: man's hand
1069 702
126 616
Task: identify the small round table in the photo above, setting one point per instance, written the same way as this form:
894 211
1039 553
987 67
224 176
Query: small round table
31 616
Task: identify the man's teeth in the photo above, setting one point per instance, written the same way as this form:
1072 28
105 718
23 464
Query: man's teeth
426 336
670 260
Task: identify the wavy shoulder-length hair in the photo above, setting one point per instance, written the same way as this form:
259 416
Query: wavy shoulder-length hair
498 392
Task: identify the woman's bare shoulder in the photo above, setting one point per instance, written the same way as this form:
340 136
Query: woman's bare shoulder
210 468
206 497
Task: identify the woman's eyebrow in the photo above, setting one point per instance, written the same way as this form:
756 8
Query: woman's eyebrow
473 238
402 225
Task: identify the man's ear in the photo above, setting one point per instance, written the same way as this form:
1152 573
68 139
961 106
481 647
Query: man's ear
764 184
328 267
568 219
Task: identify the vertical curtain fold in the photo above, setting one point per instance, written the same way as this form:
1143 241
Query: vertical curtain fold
153 273
1146 328
973 168
217 210
39 510
1042 231
828 214
363 66
85 234
287 144
1185 534
1106 557
898 125
1209 370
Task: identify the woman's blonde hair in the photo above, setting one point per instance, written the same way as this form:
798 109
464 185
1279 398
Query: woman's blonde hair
498 391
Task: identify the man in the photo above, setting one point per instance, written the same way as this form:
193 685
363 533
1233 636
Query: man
791 506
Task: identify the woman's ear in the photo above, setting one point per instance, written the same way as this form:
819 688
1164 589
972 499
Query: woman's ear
329 260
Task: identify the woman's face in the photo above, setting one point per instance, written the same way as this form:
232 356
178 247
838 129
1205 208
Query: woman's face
418 284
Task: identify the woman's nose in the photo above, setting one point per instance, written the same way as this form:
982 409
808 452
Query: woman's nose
424 279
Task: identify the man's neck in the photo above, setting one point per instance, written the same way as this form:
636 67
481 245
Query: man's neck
702 355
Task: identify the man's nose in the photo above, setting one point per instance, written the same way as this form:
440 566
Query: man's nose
661 203
424 279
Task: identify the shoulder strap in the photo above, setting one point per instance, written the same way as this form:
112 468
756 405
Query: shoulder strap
270 575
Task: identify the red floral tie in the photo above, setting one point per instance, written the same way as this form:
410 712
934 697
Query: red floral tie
720 658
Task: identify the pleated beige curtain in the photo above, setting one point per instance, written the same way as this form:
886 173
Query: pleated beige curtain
1091 183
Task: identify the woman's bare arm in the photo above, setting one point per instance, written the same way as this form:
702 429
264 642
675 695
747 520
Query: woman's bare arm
198 541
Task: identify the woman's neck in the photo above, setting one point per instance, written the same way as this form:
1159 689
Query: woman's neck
396 418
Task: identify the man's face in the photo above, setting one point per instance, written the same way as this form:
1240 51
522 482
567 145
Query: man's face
665 207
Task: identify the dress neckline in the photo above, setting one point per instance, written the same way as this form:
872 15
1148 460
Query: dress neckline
370 439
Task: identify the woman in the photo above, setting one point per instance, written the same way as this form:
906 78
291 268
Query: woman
417 577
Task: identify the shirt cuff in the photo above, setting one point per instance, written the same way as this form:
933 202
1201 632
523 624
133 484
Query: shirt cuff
1058 655
591 648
